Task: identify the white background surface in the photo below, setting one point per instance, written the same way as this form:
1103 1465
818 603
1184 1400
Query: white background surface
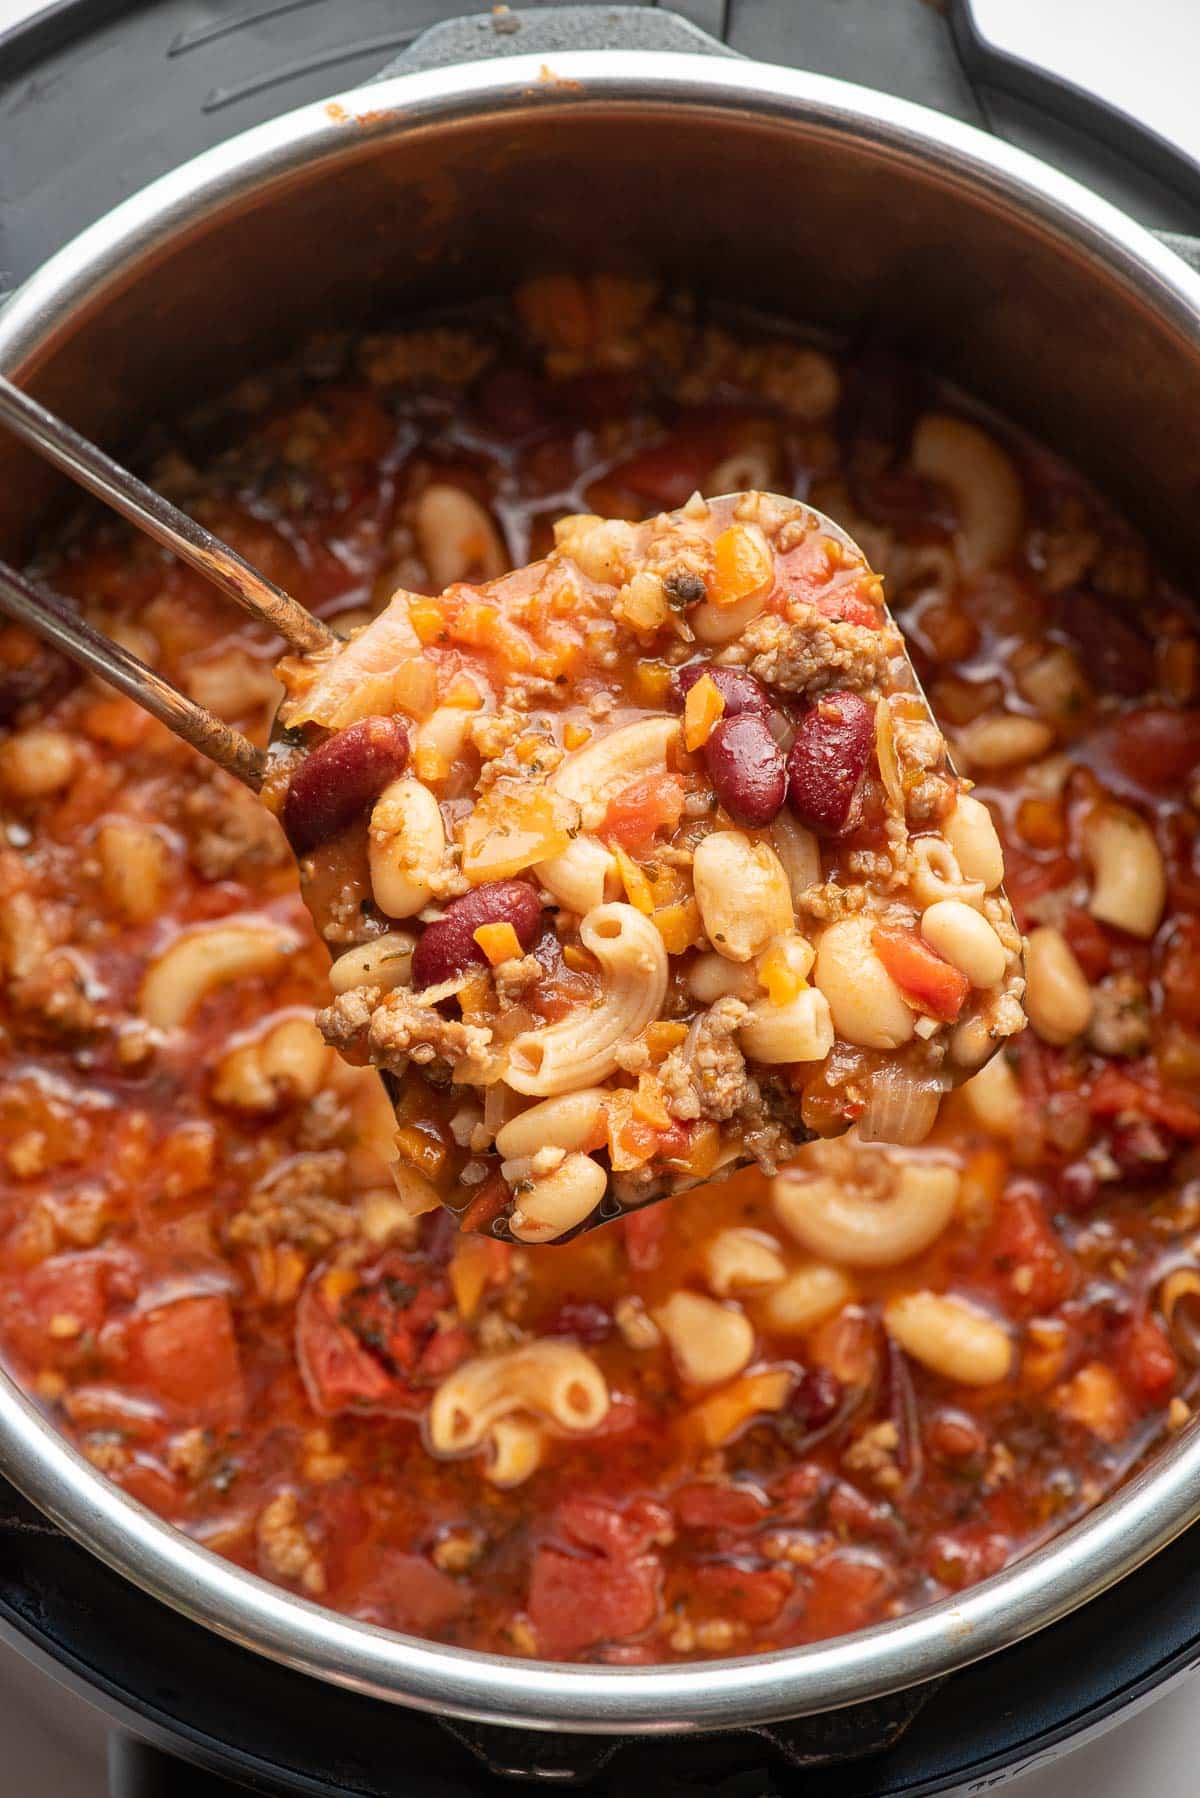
53 1743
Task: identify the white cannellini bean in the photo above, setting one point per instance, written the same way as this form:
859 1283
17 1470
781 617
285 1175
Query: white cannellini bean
801 1030
1129 881
1002 739
440 740
1058 999
742 1260
983 480
405 846
37 762
558 1201
972 836
568 1121
742 892
966 940
809 1294
385 961
995 1098
950 1337
866 1005
711 977
456 538
709 1341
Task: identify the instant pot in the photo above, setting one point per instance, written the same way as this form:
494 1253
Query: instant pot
707 147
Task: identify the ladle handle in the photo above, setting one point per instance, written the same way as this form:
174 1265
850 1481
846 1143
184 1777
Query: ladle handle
51 618
100 475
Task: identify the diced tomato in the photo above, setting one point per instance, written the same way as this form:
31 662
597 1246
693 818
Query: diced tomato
645 1235
845 606
410 1593
371 1339
1158 746
338 1372
1147 1360
1033 1268
54 1312
186 1354
612 1528
603 1590
151 1484
753 1595
1089 942
1027 879
707 1505
937 987
847 1589
576 1601
1181 973
1116 1091
642 808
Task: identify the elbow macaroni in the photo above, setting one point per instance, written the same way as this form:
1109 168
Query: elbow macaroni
203 960
552 1381
864 1228
583 874
581 1049
407 843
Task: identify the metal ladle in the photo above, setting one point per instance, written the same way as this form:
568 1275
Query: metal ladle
52 618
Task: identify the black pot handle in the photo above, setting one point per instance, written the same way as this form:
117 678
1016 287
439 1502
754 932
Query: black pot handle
999 49
554 31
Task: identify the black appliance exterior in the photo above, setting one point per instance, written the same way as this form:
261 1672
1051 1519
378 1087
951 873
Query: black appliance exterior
98 97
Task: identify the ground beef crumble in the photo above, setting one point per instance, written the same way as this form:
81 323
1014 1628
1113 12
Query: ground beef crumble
394 1028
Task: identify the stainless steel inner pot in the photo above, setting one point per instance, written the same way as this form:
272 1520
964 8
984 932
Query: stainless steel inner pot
805 195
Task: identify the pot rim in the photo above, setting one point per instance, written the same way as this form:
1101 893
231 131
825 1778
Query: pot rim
1111 1541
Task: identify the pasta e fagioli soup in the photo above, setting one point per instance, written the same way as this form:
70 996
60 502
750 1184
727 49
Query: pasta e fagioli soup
773 1410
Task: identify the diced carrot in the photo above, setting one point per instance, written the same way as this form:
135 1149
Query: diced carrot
638 890
743 565
702 711
643 807
499 942
653 681
660 1038
678 925
648 1103
936 987
489 1203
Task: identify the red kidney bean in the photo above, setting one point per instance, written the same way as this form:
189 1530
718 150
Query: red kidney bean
513 402
828 760
449 946
40 676
578 1317
881 397
747 768
1117 654
740 691
818 1395
340 778
1142 1150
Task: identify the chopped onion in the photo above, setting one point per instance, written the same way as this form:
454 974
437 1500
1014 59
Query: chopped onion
799 852
885 755
901 1107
